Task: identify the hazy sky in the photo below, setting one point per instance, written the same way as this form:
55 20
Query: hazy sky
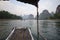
20 8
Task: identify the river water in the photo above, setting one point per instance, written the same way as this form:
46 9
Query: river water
48 29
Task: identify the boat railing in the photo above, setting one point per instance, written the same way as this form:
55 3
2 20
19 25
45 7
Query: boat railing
29 29
10 34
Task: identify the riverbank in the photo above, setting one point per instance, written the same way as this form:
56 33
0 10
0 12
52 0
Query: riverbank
11 19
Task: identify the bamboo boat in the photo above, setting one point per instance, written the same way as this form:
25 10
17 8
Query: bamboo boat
20 34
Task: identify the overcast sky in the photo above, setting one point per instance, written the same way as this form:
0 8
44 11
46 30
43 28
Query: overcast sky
20 8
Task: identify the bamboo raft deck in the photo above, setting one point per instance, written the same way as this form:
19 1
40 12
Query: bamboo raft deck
20 34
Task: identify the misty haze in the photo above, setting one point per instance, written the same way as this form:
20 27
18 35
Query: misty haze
30 20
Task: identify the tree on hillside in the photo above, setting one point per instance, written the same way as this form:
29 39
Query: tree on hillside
7 15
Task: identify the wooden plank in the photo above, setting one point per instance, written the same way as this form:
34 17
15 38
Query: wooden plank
21 34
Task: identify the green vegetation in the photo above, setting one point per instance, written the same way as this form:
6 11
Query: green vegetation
56 16
7 15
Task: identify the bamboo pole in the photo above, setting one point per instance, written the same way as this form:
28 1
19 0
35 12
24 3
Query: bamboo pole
37 24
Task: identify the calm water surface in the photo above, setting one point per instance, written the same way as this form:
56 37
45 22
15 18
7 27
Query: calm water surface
49 29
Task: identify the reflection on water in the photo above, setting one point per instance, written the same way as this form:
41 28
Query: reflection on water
58 30
49 29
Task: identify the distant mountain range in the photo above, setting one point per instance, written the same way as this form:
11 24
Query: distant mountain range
28 17
56 14
44 15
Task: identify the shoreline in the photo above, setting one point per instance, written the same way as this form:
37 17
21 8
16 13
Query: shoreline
10 19
26 19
